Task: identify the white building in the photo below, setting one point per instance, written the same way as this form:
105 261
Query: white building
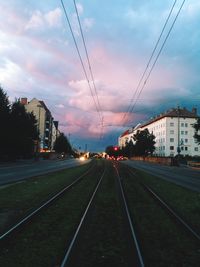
127 136
46 127
173 131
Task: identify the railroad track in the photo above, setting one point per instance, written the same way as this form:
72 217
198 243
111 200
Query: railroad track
35 230
109 218
84 250
164 235
44 205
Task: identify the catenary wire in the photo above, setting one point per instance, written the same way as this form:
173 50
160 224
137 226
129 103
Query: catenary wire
130 109
81 60
149 61
156 59
89 64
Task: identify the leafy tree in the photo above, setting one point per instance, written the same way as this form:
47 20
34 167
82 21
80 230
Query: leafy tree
5 132
144 143
24 127
62 144
128 149
197 128
112 151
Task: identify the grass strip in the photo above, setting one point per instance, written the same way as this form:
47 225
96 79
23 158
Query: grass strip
185 201
19 199
102 242
43 242
163 242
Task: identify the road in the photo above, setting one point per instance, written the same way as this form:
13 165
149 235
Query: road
14 172
183 175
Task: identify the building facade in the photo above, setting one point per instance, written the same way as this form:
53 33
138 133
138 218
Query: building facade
127 136
47 128
174 132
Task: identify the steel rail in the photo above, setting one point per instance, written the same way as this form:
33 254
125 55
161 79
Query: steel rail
169 209
172 212
67 254
139 254
49 201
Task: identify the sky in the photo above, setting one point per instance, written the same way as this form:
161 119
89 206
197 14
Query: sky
38 58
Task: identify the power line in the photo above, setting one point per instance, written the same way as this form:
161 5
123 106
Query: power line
130 109
81 60
156 59
88 60
86 52
149 61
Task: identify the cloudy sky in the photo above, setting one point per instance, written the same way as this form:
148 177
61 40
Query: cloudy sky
38 58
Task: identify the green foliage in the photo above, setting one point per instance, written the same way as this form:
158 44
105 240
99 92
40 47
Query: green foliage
5 133
144 143
112 152
128 150
18 131
197 128
24 126
62 144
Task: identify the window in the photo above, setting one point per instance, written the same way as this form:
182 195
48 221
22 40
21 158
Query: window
196 149
182 132
186 140
186 132
171 124
171 148
182 124
186 124
181 141
186 149
171 140
171 131
182 148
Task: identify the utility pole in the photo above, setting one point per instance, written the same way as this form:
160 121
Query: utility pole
178 147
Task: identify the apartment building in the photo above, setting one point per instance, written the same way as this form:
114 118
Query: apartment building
47 127
174 132
127 136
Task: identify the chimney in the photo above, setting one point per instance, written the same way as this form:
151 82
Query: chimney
194 111
24 101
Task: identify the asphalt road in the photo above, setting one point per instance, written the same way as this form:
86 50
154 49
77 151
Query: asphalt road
14 172
183 175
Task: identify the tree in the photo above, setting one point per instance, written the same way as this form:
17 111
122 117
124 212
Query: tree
197 128
112 151
144 143
62 144
128 149
24 125
5 132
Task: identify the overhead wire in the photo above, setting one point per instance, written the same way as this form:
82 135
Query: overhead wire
156 59
132 106
89 64
149 61
81 60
